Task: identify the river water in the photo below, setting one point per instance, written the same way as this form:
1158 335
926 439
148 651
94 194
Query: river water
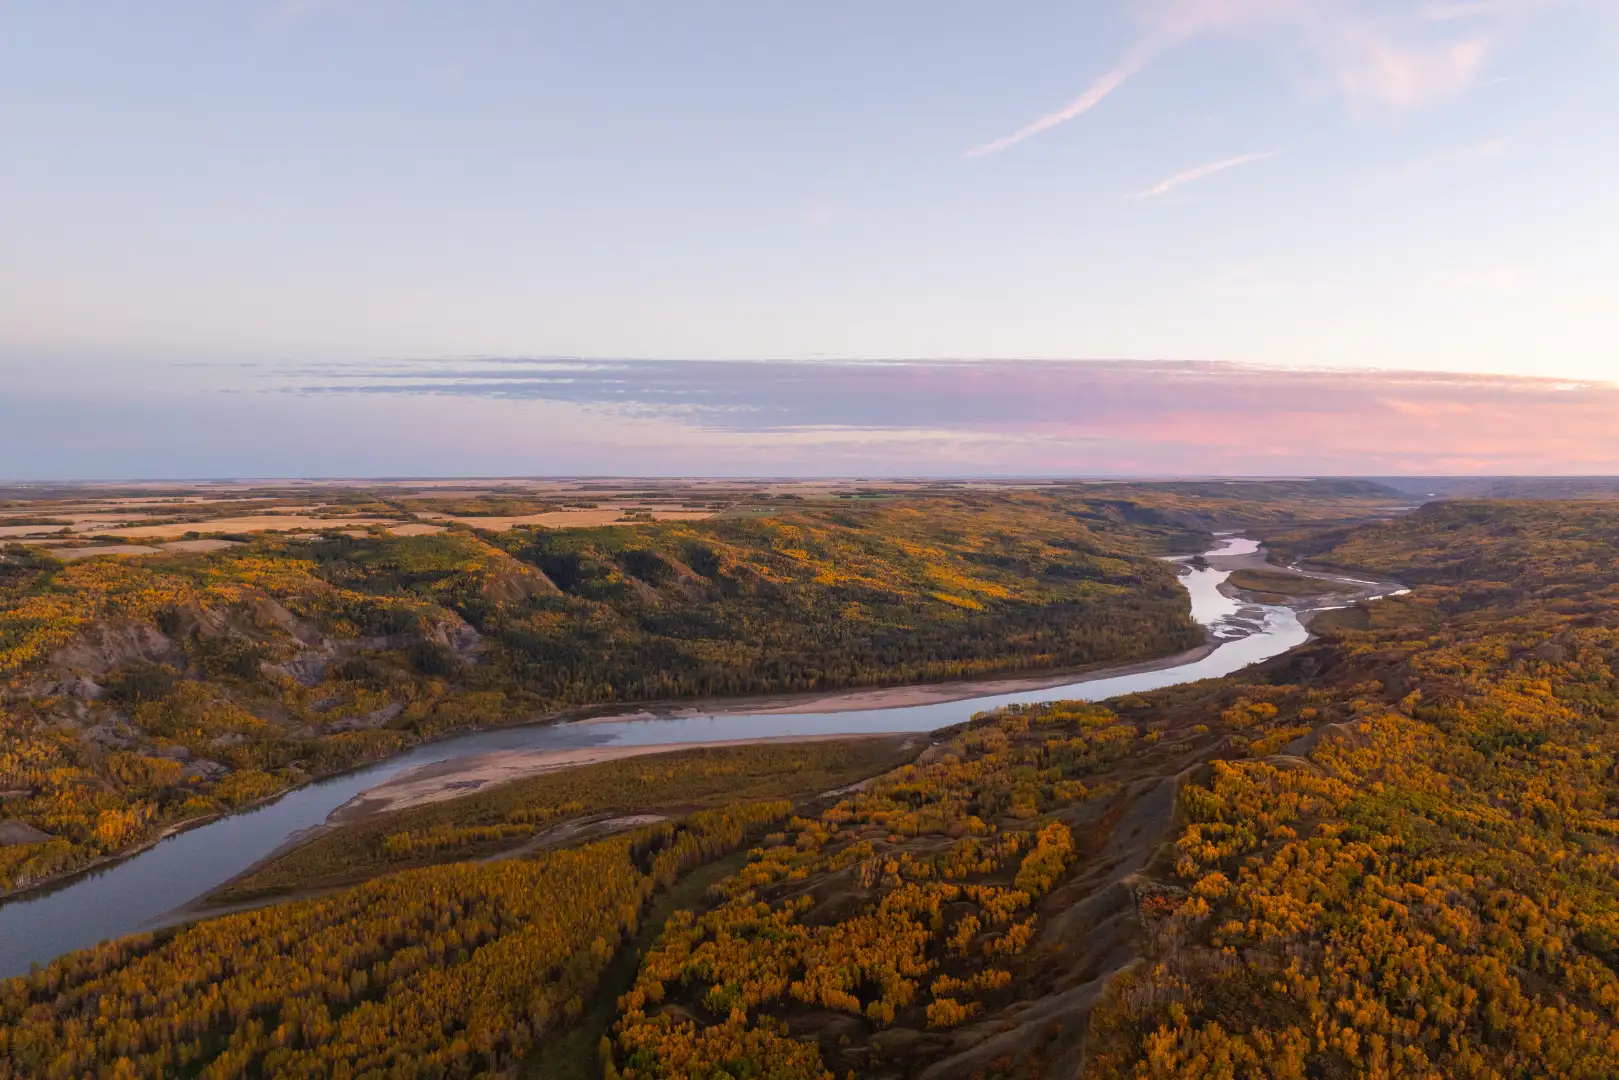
125 896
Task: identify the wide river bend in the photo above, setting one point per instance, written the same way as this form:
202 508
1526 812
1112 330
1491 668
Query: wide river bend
125 896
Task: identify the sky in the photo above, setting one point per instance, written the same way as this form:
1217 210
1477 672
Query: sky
1101 237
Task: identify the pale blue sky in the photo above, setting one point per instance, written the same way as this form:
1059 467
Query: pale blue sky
1342 183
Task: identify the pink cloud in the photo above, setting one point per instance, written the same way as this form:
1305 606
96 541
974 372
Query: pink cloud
1098 92
1193 175
1096 417
1374 68
1375 60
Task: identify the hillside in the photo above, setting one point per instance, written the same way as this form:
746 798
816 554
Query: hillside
148 690
145 691
1387 854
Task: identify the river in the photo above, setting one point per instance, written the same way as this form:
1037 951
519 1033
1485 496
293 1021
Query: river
125 896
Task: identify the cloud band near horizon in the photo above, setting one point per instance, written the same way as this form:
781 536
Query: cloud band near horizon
518 416
1085 416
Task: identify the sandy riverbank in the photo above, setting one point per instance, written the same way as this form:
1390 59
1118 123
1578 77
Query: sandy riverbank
449 779
898 697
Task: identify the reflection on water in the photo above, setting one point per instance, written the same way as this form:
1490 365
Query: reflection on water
121 898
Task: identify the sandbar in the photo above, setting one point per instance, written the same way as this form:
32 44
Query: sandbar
460 776
900 697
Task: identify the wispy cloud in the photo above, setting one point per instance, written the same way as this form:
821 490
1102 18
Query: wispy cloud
1374 60
1376 70
1086 416
1098 92
1181 179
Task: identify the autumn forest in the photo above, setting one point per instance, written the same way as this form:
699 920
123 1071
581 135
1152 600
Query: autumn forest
1389 852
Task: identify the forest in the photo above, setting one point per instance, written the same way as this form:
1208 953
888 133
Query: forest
146 692
1390 853
1395 858
137 694
1425 886
447 970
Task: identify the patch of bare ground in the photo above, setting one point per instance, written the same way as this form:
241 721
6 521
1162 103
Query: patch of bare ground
579 831
19 531
249 524
182 547
123 551
570 519
20 832
194 546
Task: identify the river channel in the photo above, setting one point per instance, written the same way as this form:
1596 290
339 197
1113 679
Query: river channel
125 896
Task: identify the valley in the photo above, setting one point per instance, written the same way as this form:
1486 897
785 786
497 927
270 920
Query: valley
1148 885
